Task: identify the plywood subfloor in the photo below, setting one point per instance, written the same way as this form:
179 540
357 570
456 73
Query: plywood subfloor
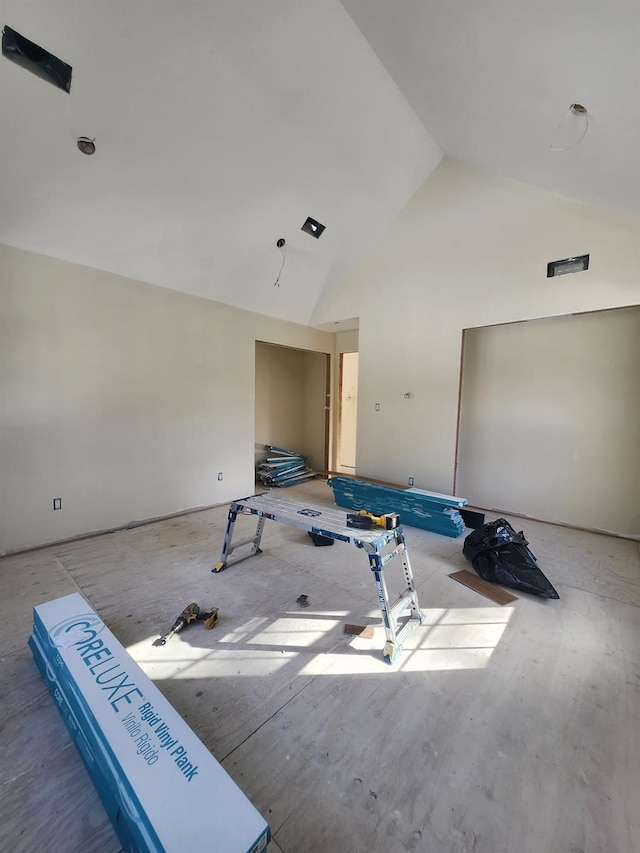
501 729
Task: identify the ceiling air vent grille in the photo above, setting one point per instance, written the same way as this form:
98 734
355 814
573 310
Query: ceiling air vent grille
36 59
580 263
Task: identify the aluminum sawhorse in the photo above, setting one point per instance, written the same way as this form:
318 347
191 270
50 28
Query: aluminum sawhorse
381 546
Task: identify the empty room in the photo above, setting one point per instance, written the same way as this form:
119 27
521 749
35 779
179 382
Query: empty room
279 278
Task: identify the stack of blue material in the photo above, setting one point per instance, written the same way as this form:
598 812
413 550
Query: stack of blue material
284 468
416 507
156 779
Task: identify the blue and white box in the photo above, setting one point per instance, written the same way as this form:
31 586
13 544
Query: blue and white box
156 778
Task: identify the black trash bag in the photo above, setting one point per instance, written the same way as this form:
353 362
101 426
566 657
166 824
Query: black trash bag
500 555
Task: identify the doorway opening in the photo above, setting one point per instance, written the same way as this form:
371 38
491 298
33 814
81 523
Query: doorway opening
292 397
347 413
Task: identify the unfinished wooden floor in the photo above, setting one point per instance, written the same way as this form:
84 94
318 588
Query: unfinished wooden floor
510 729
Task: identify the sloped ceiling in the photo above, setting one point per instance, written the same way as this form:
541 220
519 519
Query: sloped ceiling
220 126
493 80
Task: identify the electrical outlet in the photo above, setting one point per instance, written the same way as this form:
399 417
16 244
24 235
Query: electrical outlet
220 477
411 481
377 407
57 503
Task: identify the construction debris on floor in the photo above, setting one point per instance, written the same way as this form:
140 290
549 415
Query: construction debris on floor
500 555
283 467
365 631
416 507
489 590
156 779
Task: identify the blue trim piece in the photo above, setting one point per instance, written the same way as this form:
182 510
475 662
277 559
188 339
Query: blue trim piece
414 509
275 449
274 470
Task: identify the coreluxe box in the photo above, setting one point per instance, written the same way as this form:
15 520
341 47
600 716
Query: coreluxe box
156 778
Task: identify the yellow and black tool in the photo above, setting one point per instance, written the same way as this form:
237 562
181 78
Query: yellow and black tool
364 520
191 613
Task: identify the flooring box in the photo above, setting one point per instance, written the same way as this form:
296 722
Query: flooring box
157 780
134 834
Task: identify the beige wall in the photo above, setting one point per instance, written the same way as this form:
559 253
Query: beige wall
124 399
279 398
470 249
347 341
550 419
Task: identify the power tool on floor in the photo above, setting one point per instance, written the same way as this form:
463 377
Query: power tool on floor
364 520
191 613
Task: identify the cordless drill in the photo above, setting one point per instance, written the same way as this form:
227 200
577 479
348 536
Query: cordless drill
191 613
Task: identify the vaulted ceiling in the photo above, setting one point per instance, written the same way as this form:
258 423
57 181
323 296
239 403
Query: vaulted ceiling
220 126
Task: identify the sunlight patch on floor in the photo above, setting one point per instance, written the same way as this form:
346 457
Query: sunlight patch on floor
294 631
232 663
456 638
452 639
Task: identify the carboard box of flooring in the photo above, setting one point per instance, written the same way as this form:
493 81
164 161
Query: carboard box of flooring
133 835
156 778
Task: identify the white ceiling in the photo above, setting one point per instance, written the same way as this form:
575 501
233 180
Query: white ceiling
493 79
221 125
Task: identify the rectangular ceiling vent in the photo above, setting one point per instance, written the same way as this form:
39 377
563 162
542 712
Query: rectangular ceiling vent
36 59
568 265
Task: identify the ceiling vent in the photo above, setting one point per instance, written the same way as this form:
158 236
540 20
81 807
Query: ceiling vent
36 59
313 227
568 265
